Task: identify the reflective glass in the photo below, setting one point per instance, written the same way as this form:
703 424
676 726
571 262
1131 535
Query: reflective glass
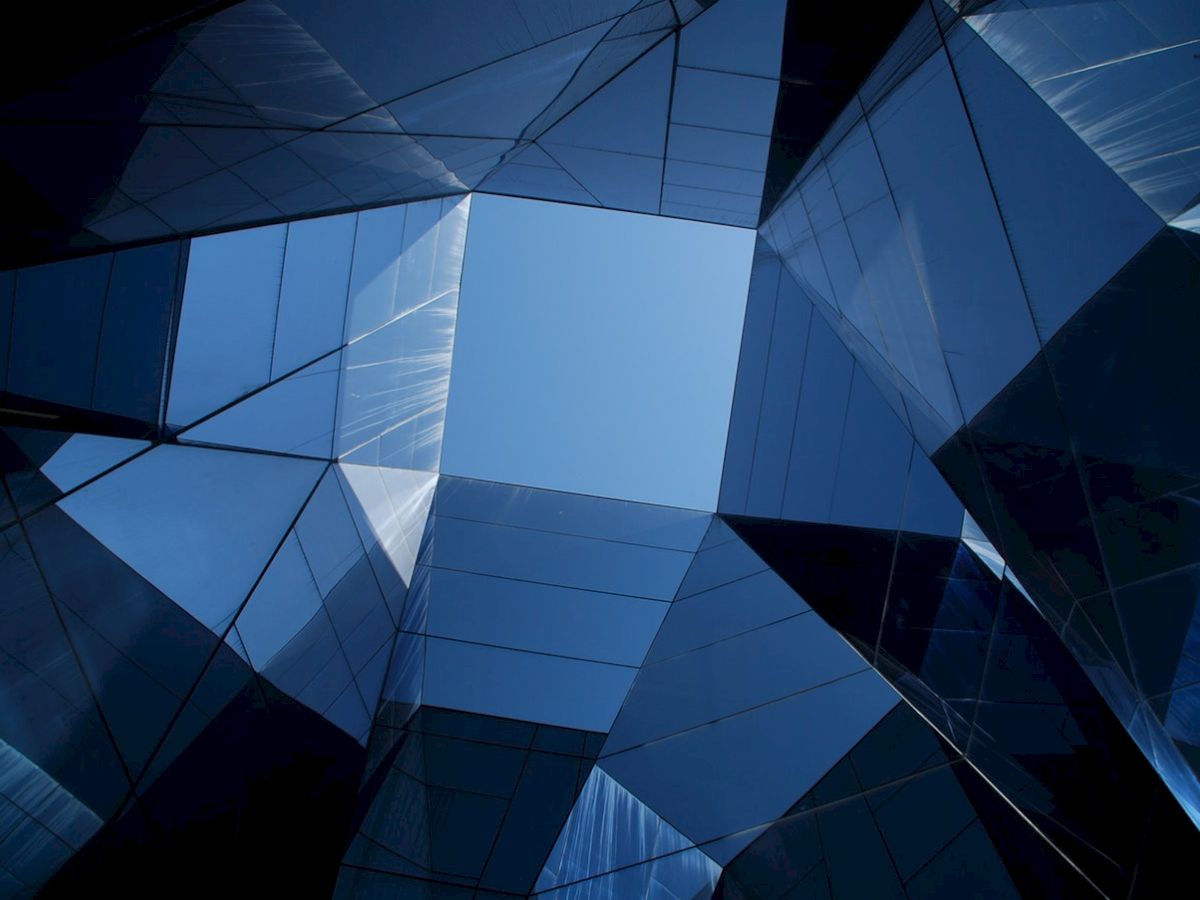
198 524
312 297
501 99
518 685
84 456
753 765
727 677
627 115
559 559
1051 187
227 327
293 416
547 619
593 517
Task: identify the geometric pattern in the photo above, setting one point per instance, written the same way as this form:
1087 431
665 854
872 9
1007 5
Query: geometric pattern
940 636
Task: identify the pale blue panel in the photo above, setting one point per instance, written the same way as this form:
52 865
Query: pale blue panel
227 326
753 766
292 416
558 559
404 257
543 618
200 525
729 677
316 281
85 456
390 507
327 535
586 516
280 606
528 686
394 385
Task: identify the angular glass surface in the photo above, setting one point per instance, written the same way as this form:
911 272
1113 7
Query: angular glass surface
518 685
227 329
198 524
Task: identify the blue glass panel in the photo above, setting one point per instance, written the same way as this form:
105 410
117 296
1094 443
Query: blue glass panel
84 456
723 558
720 612
751 377
559 559
718 148
615 179
394 386
291 416
404 258
608 829
524 616
327 535
728 677
227 326
688 873
390 507
736 36
929 505
873 462
200 525
133 339
627 115
778 419
904 316
956 237
595 517
753 765
709 99
1051 188
820 418
47 359
501 99
438 43
312 299
1094 66
520 685
855 173
531 173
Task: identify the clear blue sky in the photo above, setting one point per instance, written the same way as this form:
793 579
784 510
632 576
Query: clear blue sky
596 351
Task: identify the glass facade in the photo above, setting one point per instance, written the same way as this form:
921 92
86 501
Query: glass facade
939 638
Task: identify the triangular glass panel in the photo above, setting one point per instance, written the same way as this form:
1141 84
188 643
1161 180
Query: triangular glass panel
200 525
